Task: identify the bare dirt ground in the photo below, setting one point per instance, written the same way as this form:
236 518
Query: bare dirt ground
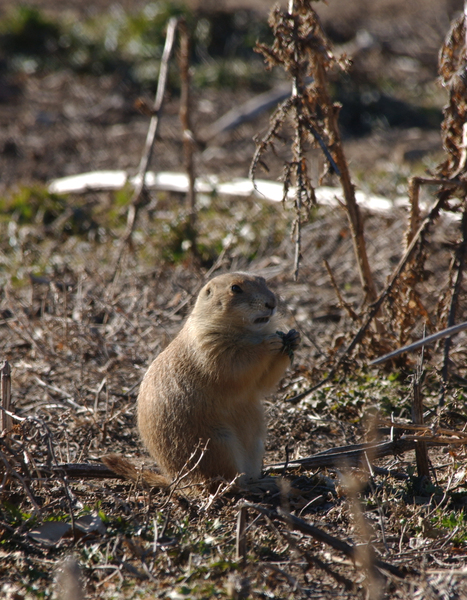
79 340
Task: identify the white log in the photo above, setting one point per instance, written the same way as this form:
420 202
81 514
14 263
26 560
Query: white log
167 181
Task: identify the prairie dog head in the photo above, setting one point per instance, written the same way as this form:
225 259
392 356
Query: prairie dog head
236 301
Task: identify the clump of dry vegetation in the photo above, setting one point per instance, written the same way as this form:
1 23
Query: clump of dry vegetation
90 296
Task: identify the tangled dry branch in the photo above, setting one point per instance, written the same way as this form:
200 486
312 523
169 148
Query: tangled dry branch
302 49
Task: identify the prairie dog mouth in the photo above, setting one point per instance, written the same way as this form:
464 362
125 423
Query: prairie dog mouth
264 318
261 320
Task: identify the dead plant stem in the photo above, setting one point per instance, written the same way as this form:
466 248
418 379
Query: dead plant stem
353 211
297 94
150 139
9 470
240 545
421 449
5 375
157 108
352 455
185 119
460 261
414 198
311 560
345 305
296 524
375 307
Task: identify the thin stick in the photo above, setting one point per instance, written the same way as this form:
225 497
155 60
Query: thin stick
351 456
436 440
421 450
150 138
240 546
313 560
433 214
186 471
414 195
345 305
353 210
449 332
425 428
297 524
460 260
297 94
157 108
323 147
9 470
81 471
188 138
5 373
414 198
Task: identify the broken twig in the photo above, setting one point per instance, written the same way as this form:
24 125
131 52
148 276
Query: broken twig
421 450
5 377
150 138
375 307
297 524
429 339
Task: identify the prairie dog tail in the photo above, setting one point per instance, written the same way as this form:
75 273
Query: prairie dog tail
127 469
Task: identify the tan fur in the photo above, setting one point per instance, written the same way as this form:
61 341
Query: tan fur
127 469
207 385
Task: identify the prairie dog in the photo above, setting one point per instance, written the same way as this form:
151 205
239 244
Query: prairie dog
207 385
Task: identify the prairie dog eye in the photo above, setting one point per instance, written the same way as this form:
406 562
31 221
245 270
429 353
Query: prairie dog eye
208 291
236 289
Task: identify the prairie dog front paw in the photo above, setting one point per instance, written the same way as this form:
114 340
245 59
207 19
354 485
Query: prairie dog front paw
275 343
290 341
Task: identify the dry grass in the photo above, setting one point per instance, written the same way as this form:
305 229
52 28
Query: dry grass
78 349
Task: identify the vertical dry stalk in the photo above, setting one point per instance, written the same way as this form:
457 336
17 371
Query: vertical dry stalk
460 262
452 68
5 372
297 92
342 303
150 139
240 546
298 196
414 198
65 314
157 108
452 65
364 553
421 450
185 119
331 113
302 49
292 50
